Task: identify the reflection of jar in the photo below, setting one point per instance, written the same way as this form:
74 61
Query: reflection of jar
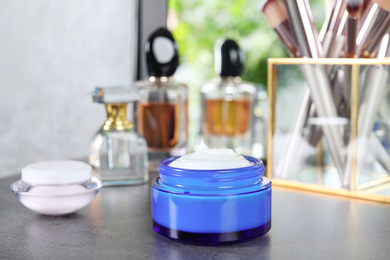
211 206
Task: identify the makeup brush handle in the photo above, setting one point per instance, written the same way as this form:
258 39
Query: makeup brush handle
369 50
351 39
333 46
327 42
367 12
347 69
287 39
385 124
381 154
365 145
327 21
373 91
374 88
337 46
325 107
289 157
337 16
307 39
384 107
337 91
297 29
370 28
333 49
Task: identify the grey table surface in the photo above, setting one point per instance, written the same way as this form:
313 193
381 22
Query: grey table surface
118 225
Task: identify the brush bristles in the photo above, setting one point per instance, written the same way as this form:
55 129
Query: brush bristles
353 7
274 12
384 4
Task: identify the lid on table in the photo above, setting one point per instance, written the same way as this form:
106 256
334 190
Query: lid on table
56 172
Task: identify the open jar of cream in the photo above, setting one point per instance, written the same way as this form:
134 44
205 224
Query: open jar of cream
210 197
56 187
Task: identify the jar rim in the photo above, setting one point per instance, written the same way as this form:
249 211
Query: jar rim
225 181
21 188
164 168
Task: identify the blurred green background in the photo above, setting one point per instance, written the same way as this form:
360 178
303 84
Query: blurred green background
198 24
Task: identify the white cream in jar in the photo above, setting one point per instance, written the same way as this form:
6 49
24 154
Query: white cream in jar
205 158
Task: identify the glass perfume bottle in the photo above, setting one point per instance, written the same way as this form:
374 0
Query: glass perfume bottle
118 152
162 107
228 102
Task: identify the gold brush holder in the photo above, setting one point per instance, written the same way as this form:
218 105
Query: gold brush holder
368 180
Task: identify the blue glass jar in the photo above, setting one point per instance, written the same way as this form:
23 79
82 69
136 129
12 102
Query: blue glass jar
211 207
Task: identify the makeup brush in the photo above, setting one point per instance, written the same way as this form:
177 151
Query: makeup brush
370 49
377 15
336 14
333 39
384 108
320 92
369 11
333 43
365 6
383 50
374 90
382 155
353 8
276 15
328 18
342 23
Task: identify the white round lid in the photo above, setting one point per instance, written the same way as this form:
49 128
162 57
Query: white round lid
56 172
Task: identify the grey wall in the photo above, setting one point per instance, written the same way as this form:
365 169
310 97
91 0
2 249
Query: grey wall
52 54
153 15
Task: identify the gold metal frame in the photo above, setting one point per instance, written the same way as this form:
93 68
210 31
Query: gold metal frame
356 190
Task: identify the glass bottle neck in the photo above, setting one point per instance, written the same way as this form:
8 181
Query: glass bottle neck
116 118
160 79
230 79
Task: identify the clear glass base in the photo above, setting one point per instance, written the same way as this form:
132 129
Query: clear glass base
124 181
119 158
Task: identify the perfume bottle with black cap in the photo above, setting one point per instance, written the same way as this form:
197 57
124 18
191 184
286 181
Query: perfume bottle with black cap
162 107
118 153
228 102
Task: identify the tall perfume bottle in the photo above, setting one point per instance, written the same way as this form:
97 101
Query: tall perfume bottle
118 152
162 108
228 102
